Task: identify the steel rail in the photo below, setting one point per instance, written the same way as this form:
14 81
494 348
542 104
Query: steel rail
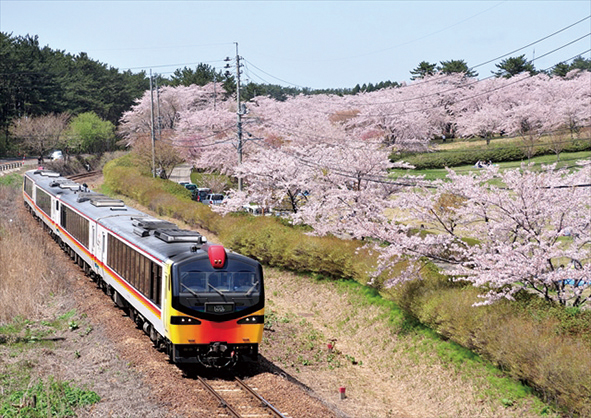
83 175
258 397
219 397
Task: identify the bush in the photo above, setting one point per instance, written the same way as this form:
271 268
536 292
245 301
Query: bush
534 341
496 154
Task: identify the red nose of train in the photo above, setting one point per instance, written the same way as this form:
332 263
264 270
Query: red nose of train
217 256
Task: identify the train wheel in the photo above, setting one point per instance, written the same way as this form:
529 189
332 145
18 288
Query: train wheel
132 315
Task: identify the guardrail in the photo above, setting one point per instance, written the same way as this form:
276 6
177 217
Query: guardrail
11 166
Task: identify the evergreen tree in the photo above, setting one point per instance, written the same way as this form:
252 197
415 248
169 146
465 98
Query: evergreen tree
456 66
424 69
513 66
580 63
561 69
202 75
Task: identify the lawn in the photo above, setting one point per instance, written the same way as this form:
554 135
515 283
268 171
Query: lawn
567 159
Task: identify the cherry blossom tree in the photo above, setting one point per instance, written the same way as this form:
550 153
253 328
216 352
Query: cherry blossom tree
523 234
166 156
207 138
274 178
168 103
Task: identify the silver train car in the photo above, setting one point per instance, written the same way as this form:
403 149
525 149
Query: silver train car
199 302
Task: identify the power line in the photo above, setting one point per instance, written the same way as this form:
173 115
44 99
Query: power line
531 44
376 178
476 66
287 82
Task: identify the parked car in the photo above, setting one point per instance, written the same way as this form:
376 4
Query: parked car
213 199
56 155
256 210
190 186
200 193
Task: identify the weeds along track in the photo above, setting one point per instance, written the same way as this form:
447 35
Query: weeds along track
238 400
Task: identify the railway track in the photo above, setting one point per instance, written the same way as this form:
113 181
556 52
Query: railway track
238 400
83 176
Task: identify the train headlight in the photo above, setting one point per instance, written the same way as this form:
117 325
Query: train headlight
184 320
255 319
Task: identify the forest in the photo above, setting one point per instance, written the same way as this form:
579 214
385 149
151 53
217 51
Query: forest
37 80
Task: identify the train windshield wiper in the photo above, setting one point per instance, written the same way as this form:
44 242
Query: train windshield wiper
191 290
218 291
252 288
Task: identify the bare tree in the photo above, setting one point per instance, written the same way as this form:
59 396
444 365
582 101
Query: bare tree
40 134
166 156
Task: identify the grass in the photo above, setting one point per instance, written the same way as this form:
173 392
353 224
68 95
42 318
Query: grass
423 341
27 288
50 398
24 392
567 159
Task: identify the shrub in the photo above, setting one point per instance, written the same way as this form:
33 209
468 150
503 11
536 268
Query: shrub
496 154
536 342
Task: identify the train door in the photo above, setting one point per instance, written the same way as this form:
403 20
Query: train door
55 214
100 248
93 247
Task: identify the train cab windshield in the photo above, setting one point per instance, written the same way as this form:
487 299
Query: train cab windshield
202 291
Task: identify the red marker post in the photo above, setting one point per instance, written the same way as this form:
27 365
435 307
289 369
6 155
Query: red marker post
342 392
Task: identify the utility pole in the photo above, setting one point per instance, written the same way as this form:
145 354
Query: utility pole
215 95
240 111
158 110
152 130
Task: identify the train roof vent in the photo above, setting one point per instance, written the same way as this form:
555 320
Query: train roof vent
141 232
151 224
57 182
47 173
85 196
69 184
179 235
102 201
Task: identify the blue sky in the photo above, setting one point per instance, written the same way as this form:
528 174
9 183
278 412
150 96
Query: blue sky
317 44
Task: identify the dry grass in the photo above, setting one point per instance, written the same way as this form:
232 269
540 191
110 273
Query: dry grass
396 375
26 277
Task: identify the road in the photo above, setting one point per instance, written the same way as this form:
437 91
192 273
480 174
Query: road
181 173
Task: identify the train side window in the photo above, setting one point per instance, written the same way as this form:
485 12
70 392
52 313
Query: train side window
125 261
141 274
137 273
119 256
145 268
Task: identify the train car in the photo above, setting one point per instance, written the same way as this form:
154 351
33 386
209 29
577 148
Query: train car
199 302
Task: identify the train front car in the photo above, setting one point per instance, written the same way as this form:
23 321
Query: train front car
216 315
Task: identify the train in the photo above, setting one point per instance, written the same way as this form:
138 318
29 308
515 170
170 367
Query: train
198 302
